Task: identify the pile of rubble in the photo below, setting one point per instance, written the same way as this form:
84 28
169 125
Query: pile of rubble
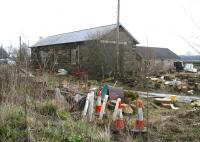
187 83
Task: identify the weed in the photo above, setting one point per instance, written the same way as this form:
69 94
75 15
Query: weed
13 127
49 108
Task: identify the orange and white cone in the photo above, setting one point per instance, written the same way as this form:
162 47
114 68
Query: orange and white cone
116 109
103 107
119 122
98 106
140 120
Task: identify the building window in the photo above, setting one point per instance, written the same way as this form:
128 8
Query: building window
147 62
73 56
44 56
60 51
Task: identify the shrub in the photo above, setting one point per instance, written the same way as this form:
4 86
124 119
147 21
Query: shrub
49 108
129 96
5 76
13 128
63 115
75 138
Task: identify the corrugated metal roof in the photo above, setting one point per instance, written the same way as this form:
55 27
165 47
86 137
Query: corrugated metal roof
77 36
155 52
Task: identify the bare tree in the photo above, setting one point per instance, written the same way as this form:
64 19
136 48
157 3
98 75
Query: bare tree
3 53
44 59
101 57
194 45
24 53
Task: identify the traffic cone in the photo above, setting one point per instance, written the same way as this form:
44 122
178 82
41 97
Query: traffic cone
98 106
140 120
103 107
119 122
116 109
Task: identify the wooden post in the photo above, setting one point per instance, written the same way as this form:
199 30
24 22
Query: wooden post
20 48
91 106
78 55
86 105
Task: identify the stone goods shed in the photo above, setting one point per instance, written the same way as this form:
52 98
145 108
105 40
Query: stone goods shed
68 50
156 59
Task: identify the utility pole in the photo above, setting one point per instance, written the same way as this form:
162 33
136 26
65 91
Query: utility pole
117 36
20 48
147 88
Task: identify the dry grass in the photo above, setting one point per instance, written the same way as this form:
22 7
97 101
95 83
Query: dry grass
47 120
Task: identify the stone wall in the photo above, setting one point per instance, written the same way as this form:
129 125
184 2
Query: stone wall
129 61
59 56
157 65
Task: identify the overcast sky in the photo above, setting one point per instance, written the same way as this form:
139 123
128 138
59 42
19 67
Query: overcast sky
159 23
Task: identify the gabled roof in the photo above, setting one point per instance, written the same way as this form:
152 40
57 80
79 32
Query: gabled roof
156 53
78 36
